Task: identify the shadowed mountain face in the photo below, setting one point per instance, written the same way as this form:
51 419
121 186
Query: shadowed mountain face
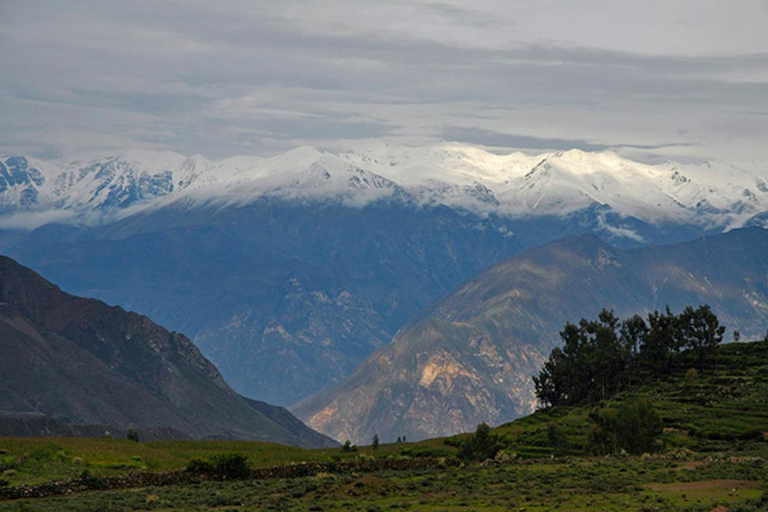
470 357
287 298
288 271
80 362
284 298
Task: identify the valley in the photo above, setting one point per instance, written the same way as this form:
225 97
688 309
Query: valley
289 271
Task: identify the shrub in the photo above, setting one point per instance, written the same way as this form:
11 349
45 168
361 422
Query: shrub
227 466
557 439
633 428
481 446
425 451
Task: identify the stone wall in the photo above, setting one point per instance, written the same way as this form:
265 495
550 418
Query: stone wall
148 479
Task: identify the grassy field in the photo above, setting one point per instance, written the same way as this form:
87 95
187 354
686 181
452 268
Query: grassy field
30 461
712 454
613 484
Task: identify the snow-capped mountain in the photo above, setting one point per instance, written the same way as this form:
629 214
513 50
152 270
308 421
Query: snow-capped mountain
288 271
708 195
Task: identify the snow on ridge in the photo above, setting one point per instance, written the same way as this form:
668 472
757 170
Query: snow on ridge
455 175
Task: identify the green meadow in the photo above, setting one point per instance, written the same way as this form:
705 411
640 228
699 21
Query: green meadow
711 455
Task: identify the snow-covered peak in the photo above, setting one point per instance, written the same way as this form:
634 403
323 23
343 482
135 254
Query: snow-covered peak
447 163
459 176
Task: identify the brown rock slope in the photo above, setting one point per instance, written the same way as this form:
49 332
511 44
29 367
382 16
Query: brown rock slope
470 357
80 362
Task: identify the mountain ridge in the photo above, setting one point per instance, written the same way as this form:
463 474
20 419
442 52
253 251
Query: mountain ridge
470 356
98 188
311 260
81 362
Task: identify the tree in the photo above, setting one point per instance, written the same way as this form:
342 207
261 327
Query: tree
590 366
600 358
557 439
132 435
375 442
481 446
633 428
700 332
660 343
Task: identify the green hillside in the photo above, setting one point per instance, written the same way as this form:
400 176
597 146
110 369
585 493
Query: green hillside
721 408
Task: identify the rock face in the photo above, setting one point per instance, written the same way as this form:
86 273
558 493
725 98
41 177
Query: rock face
470 357
81 362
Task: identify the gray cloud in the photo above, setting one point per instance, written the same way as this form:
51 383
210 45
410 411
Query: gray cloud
257 77
508 140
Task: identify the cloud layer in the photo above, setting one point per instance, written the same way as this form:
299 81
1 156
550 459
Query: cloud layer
667 79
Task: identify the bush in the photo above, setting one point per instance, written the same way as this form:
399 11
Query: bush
634 428
426 451
481 446
557 439
227 466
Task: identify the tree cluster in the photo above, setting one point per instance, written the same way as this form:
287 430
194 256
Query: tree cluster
602 357
633 428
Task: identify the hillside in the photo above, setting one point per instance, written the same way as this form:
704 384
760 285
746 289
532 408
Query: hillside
720 409
68 362
470 357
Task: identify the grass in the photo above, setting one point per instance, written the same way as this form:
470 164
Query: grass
712 454
578 484
30 461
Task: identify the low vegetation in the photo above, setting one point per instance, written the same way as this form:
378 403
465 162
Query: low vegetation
694 438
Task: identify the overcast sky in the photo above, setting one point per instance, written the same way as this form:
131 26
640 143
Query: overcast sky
675 79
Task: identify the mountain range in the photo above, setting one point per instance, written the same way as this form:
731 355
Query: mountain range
708 194
288 271
75 366
470 357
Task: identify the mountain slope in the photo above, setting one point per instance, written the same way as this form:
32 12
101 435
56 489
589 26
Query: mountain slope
470 357
720 409
284 298
82 362
288 271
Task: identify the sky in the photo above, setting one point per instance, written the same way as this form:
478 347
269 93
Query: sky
676 79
